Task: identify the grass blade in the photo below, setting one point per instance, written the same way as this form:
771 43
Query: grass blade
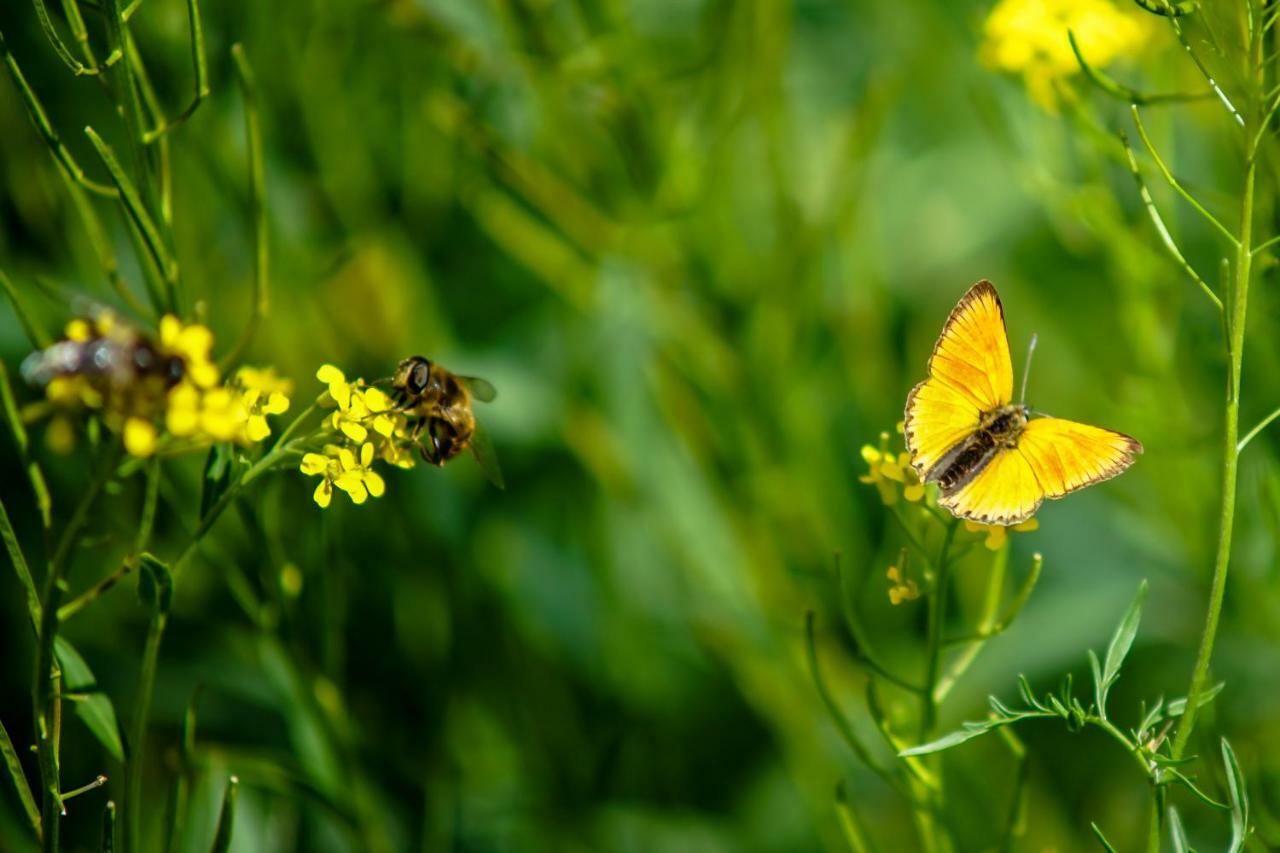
1102 839
93 706
19 778
227 819
1239 799
1121 642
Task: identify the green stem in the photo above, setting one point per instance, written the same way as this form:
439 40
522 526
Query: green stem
44 699
137 739
1230 459
937 616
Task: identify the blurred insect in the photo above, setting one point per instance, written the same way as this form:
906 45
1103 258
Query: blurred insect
441 420
993 463
110 356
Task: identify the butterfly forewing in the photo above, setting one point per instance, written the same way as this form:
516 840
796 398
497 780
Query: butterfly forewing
972 353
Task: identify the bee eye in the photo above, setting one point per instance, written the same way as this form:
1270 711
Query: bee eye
418 378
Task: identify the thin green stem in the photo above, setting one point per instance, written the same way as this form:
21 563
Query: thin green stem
1230 459
137 739
45 700
1262 424
936 619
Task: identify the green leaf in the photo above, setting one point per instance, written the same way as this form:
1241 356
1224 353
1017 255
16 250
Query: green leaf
1121 642
1102 839
216 478
93 706
1177 707
19 780
1177 833
1239 798
155 584
227 819
968 732
20 567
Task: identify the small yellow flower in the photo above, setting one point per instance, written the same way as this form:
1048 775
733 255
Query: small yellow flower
262 394
214 414
884 469
339 388
901 588
341 467
998 534
79 330
1029 37
139 437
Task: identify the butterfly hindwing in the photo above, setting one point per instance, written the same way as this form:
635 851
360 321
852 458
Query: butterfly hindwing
1066 455
1004 491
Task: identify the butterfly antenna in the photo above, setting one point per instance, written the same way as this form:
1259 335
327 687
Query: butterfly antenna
1026 370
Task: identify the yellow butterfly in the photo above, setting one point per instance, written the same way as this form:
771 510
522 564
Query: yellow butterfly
991 461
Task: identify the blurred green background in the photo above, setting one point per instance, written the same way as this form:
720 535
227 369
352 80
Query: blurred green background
702 249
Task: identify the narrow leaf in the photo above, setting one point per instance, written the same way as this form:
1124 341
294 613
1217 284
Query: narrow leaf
226 820
20 437
20 567
1239 799
36 335
1177 833
969 732
93 706
1178 707
1121 642
19 780
1102 839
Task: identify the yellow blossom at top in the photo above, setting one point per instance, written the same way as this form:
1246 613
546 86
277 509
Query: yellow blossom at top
1029 37
998 534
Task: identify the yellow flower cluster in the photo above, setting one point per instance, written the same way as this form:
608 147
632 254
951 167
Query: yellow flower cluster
1029 37
901 587
891 473
368 428
170 382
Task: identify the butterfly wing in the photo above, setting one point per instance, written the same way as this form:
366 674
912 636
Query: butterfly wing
1065 455
1005 491
1054 457
970 373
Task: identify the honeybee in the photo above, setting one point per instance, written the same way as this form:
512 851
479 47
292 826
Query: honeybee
441 420
123 367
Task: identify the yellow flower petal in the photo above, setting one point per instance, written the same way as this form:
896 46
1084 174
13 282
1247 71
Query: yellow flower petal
913 492
1027 526
314 463
277 404
139 437
347 459
997 536
374 483
366 454
384 426
377 401
323 494
341 394
354 431
170 328
870 455
256 429
79 330
330 375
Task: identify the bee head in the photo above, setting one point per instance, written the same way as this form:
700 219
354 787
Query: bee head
414 374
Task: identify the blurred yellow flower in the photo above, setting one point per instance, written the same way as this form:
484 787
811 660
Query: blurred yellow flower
1029 37
194 345
901 588
885 469
998 534
139 437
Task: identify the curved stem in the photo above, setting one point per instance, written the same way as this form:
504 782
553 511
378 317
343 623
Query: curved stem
937 616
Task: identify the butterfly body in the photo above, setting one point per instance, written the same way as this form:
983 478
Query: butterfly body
998 430
993 462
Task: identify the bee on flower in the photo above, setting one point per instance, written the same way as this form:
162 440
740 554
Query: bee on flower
1029 38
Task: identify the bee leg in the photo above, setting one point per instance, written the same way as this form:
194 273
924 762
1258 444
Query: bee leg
430 451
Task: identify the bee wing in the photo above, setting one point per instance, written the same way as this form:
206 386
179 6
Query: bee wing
486 457
481 389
